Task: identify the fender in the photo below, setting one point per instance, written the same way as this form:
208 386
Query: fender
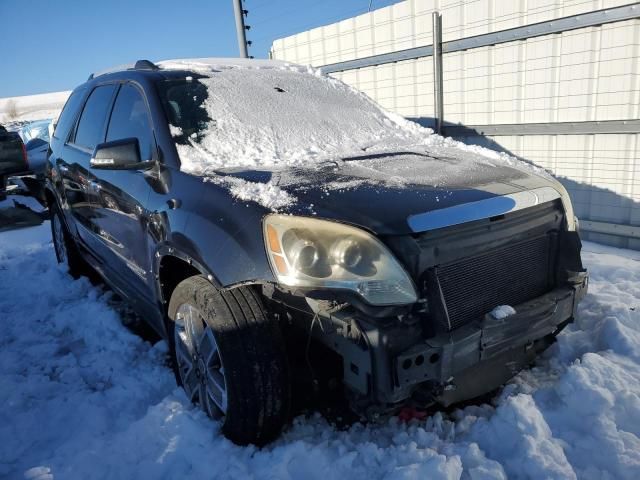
168 250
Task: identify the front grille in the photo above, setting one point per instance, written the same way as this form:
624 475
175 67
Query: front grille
509 275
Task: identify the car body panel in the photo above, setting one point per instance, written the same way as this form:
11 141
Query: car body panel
385 206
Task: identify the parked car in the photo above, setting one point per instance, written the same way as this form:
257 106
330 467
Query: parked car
268 221
13 157
35 136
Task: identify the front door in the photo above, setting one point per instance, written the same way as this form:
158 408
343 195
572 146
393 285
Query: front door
73 164
119 197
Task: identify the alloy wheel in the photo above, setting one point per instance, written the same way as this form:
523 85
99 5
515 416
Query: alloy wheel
199 362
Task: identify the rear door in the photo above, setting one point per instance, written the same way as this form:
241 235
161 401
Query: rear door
120 196
73 163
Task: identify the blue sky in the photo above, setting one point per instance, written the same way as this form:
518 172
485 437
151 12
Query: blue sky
52 45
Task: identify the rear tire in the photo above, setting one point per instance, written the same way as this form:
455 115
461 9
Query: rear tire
3 188
230 358
66 250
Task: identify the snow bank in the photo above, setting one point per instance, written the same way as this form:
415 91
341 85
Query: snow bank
83 397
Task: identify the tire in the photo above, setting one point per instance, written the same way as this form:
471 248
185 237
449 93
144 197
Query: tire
66 250
3 188
245 381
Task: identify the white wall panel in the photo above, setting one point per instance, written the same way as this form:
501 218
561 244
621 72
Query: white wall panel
590 74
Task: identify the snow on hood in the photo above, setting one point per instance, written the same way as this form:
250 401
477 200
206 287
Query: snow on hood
265 115
266 194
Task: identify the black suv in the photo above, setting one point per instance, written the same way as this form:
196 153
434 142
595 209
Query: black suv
272 223
13 157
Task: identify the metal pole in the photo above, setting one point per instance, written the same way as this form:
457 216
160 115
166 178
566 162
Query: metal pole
242 39
438 100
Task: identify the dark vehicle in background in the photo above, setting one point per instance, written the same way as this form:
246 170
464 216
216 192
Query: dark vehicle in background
386 290
13 157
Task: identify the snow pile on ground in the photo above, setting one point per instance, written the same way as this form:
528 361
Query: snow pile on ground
32 107
83 397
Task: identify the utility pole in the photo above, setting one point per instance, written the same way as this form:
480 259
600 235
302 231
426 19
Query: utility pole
438 100
240 28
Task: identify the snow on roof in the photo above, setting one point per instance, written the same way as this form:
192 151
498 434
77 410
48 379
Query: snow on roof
209 63
205 64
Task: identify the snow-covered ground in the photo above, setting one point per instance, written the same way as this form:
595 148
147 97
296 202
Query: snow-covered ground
84 398
32 107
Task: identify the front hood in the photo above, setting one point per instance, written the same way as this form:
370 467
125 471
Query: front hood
389 192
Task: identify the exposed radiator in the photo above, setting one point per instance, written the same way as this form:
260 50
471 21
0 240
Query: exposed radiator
509 275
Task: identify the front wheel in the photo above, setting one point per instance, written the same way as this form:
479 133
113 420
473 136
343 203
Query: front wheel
230 359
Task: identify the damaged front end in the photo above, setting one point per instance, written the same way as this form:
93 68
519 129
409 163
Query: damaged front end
446 346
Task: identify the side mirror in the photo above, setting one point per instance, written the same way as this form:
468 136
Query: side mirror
119 155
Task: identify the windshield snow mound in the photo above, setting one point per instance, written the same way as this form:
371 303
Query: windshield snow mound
265 117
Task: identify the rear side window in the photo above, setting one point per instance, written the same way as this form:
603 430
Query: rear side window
130 119
68 115
90 128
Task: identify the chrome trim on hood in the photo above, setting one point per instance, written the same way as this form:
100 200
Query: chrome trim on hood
468 212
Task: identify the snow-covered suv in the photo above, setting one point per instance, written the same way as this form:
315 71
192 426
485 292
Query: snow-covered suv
268 220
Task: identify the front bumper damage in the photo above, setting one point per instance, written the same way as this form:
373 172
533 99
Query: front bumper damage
449 367
444 349
481 356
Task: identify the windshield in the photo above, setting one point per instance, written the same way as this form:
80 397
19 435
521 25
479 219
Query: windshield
262 117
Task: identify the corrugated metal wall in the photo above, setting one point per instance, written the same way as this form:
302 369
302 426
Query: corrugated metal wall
589 74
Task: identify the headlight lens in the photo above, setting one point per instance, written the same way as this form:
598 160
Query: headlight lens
307 252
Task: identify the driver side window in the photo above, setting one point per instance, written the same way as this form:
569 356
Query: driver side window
130 119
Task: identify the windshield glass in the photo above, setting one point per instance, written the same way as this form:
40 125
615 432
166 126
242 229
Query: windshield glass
262 117
39 129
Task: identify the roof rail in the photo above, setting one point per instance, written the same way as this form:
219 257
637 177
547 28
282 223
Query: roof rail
145 65
139 65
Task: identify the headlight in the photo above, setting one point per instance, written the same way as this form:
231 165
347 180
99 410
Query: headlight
307 252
